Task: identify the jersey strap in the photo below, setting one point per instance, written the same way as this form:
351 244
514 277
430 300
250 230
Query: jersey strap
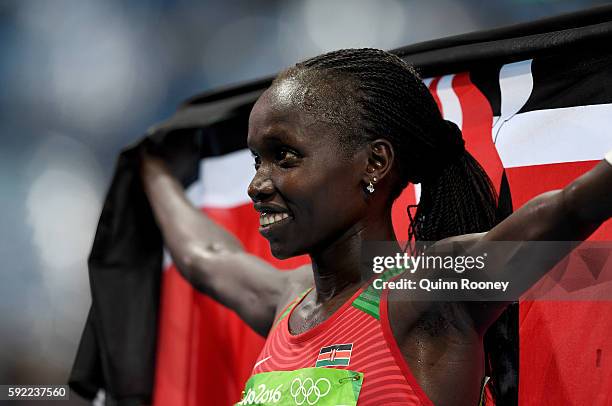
290 306
369 300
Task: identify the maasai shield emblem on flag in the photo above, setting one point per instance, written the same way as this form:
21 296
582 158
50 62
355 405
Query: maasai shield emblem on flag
534 103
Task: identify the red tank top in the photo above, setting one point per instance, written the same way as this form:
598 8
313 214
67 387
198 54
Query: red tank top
356 337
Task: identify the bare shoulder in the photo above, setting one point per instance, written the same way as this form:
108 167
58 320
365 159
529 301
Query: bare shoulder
466 241
404 312
298 280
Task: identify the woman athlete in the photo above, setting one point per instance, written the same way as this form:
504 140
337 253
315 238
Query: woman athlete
335 140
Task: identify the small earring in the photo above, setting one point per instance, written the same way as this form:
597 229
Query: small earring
370 186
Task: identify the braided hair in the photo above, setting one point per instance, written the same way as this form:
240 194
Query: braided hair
389 100
392 102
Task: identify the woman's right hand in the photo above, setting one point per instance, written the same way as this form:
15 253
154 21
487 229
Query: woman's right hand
180 153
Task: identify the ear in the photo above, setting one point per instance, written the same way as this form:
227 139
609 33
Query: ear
380 160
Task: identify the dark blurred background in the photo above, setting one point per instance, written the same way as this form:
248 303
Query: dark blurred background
82 78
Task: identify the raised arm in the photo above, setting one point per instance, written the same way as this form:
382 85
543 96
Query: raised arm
568 215
209 257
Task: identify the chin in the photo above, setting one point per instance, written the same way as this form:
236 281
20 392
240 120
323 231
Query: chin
279 251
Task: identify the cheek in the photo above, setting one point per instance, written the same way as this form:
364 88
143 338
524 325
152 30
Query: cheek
325 204
322 191
337 197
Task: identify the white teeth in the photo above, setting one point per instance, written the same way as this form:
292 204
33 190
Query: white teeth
266 219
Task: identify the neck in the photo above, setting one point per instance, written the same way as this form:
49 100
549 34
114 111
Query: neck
341 266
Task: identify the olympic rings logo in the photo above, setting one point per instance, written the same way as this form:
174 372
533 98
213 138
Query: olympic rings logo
309 391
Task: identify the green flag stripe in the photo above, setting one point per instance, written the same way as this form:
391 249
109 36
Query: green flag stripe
326 363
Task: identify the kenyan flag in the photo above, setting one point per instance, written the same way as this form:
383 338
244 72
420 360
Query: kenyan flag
334 355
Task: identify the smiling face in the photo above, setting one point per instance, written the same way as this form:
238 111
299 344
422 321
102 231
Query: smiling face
308 188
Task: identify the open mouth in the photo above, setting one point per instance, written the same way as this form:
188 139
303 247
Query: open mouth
272 219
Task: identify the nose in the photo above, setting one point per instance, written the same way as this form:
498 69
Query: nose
260 188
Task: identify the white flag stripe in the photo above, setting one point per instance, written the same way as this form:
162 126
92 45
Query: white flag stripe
568 134
451 107
417 192
516 85
225 193
224 180
167 259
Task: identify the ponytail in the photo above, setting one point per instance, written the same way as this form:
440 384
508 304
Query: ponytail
458 198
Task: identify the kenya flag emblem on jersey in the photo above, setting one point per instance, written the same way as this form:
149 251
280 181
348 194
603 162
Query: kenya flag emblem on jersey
334 355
